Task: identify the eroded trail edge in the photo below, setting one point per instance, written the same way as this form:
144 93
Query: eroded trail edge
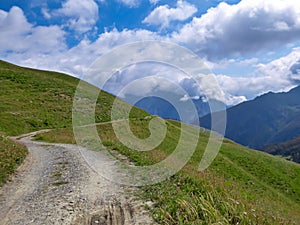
55 185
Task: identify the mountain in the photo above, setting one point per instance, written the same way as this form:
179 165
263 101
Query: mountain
269 119
242 186
289 149
164 109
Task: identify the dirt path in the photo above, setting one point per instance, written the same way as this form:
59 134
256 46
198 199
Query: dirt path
56 186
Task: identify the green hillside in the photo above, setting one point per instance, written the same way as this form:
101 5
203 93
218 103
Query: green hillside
242 186
32 100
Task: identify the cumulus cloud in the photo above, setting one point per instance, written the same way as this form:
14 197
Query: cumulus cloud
143 70
215 34
130 3
295 69
148 79
111 39
82 15
247 27
77 59
46 13
154 2
163 15
275 76
18 35
187 97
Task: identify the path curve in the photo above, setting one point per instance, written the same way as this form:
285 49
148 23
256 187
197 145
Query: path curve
56 186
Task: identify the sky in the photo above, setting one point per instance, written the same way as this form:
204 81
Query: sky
251 46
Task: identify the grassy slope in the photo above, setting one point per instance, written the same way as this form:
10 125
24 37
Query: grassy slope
242 185
32 100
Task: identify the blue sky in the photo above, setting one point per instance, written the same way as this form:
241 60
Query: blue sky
252 46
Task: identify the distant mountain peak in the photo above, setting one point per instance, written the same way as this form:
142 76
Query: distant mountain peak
268 119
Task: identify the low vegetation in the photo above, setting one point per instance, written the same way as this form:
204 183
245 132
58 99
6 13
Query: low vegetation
242 186
11 156
32 100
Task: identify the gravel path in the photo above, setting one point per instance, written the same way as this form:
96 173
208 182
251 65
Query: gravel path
55 185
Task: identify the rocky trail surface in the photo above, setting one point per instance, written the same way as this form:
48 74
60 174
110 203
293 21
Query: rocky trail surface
55 185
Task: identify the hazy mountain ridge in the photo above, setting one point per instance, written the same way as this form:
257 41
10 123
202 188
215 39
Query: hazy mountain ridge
289 149
269 119
165 109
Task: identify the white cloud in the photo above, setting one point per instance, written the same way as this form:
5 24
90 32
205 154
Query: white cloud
154 2
76 60
295 70
46 13
163 15
187 97
143 70
82 14
45 47
159 78
250 26
18 35
130 3
109 40
13 26
274 76
231 100
233 66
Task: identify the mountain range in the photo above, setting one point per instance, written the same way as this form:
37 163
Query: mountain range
163 108
270 122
